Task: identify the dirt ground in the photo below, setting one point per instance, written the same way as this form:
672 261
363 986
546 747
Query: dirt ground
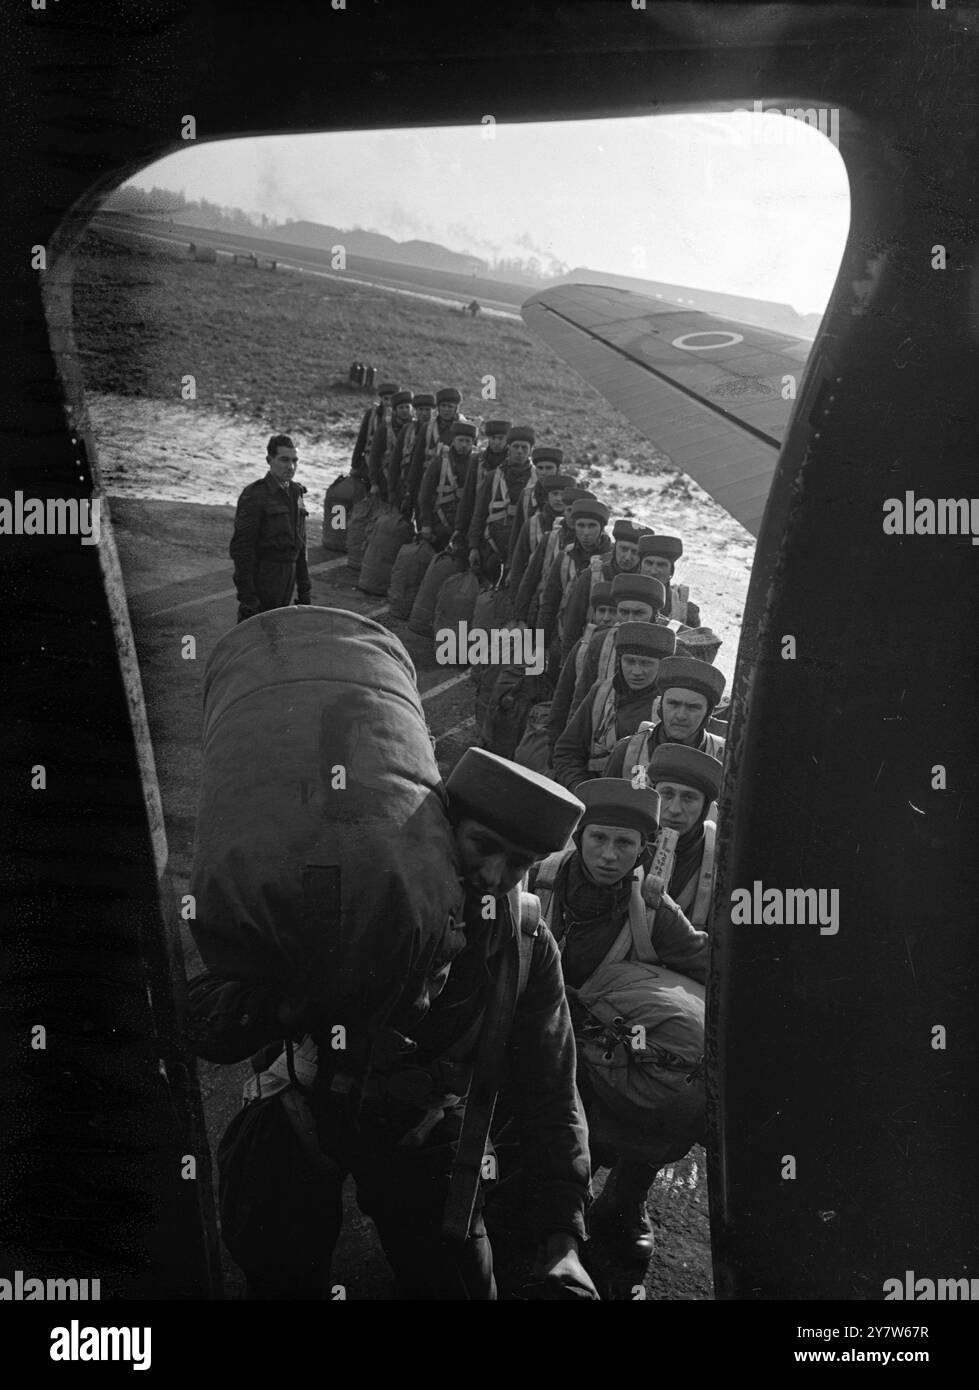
271 353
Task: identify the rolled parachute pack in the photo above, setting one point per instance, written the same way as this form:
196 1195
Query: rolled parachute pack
324 861
340 500
407 573
391 531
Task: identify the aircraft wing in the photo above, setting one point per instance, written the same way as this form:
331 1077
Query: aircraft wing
705 390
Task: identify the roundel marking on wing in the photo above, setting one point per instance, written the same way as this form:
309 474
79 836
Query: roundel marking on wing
718 339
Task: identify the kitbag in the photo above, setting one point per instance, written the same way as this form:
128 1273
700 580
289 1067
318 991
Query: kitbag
534 749
423 609
390 532
324 862
360 524
407 573
454 605
341 498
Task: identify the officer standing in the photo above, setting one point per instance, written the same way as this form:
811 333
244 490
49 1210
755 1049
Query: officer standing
268 546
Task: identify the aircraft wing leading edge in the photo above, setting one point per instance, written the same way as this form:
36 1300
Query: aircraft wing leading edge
707 391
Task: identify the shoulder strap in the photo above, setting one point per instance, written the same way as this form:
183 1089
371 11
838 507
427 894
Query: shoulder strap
602 693
701 905
639 923
544 881
606 657
637 749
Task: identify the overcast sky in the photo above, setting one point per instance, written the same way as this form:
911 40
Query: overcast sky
746 203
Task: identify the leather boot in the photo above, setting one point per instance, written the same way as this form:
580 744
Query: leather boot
619 1218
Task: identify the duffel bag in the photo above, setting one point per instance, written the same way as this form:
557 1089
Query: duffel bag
534 749
341 498
407 573
454 605
324 862
361 523
391 531
423 609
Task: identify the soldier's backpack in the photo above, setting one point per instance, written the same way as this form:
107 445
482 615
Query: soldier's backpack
422 613
508 706
639 1032
324 861
390 532
361 523
491 609
454 606
534 749
341 498
407 573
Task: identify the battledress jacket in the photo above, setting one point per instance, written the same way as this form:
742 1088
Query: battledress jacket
229 1020
270 528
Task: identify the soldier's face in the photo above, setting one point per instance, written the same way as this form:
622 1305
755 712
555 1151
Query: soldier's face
632 611
609 852
423 414
546 468
284 464
447 411
491 864
627 554
679 806
682 713
587 533
553 502
519 452
462 445
638 671
604 615
496 442
402 412
657 567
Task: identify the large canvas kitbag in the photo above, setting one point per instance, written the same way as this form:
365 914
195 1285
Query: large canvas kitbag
454 605
534 749
324 862
407 573
422 614
340 500
390 532
360 524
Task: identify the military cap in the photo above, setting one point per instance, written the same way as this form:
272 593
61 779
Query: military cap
447 393
670 547
675 762
423 398
518 804
401 398
641 588
601 593
546 453
462 427
574 493
687 673
520 434
644 639
387 388
554 484
614 801
625 529
590 509
496 427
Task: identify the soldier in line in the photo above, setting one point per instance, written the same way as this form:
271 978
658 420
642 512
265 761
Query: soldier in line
373 416
588 519
429 441
415 1143
615 707
382 445
536 527
588 894
547 461
636 599
268 545
423 404
657 557
624 559
488 460
688 784
442 486
494 511
688 691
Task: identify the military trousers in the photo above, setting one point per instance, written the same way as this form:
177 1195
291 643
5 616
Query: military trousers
275 587
281 1208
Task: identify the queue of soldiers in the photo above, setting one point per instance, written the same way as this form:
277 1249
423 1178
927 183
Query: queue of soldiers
610 821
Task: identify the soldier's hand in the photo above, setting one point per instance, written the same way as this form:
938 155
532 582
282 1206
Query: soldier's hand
653 890
426 533
474 561
375 491
561 1272
304 598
